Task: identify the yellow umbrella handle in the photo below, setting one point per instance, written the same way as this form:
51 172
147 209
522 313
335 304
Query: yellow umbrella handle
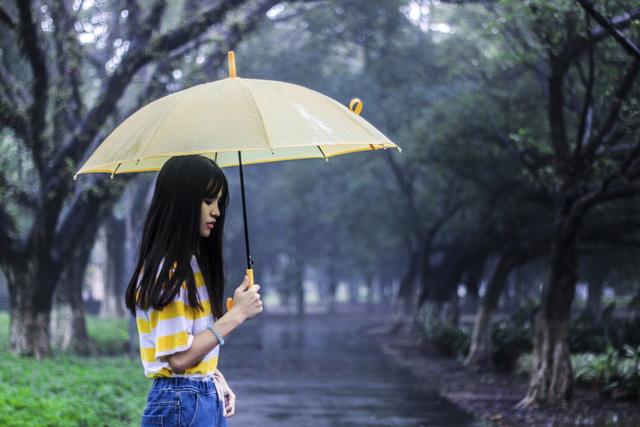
230 300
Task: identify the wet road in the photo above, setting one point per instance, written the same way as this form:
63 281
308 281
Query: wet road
323 371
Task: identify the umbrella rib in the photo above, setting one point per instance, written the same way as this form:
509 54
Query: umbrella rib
255 104
115 170
323 155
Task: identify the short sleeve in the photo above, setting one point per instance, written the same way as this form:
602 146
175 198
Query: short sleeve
172 326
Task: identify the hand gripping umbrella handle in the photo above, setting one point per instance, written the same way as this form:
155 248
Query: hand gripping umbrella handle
230 300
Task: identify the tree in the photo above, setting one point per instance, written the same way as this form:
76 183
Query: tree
57 102
593 152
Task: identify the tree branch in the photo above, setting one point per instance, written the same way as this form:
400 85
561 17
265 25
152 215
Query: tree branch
586 117
236 33
555 112
9 250
407 189
69 54
598 34
621 94
10 190
515 152
7 19
601 195
16 93
11 118
40 81
627 44
98 191
76 145
143 32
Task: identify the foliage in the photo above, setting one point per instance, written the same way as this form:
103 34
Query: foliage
110 335
71 391
513 337
510 341
587 335
449 340
615 375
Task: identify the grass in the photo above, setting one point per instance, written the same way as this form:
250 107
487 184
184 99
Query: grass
67 390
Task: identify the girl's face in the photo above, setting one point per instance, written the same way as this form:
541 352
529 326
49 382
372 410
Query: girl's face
209 214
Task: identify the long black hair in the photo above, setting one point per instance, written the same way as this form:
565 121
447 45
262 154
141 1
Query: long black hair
171 235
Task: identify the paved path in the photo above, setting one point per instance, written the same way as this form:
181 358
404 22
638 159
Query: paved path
323 371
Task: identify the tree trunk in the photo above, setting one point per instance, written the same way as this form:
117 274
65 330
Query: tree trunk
452 309
472 283
114 272
551 374
404 305
354 287
333 287
551 378
407 283
481 344
299 288
385 286
594 298
68 324
370 288
30 306
520 287
426 319
299 293
480 349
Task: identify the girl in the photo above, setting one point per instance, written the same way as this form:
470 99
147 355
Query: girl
176 294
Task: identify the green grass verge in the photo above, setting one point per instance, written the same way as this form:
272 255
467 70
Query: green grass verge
72 391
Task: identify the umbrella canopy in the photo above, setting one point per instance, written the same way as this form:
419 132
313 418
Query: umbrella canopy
236 121
267 120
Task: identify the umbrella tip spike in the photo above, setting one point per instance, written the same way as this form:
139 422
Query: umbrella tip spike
232 63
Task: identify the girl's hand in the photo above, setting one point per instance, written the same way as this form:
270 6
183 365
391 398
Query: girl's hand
229 401
247 299
229 396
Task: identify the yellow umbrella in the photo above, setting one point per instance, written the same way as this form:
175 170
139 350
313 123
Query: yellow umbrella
236 121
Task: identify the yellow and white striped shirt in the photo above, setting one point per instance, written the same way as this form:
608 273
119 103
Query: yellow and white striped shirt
172 329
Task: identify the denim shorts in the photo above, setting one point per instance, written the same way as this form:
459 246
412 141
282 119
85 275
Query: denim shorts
181 401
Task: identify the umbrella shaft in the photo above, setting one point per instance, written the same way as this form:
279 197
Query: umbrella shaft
244 213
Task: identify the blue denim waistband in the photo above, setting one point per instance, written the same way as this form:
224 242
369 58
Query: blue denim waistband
204 385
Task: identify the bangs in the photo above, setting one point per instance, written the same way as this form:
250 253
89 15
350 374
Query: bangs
213 188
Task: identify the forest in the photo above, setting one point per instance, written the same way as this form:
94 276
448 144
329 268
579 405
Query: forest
506 234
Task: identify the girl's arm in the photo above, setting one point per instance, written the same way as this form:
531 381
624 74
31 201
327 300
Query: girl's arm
205 341
247 304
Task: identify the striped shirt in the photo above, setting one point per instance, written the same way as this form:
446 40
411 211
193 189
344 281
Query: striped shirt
172 329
